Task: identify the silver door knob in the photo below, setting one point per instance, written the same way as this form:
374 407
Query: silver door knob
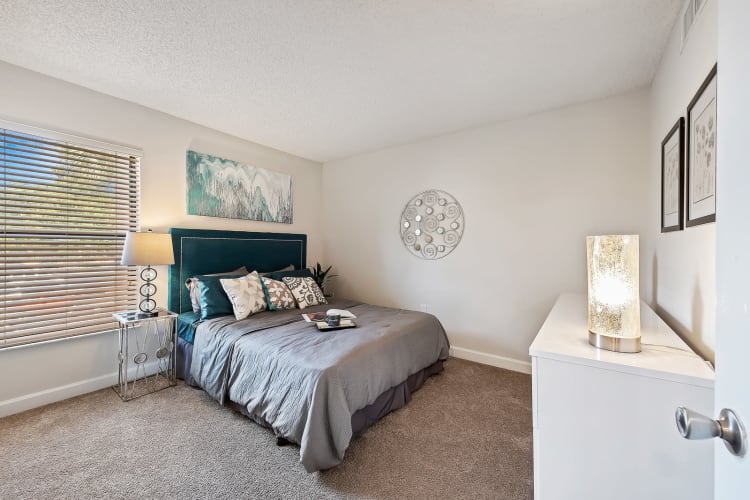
694 425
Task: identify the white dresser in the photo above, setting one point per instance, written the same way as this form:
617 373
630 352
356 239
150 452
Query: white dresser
604 422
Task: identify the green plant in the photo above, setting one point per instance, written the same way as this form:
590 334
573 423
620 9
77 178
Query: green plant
321 275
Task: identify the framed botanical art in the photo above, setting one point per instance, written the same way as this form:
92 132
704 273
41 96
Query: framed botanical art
701 154
673 177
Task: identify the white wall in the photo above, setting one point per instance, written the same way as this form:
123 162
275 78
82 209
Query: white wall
531 189
681 263
42 373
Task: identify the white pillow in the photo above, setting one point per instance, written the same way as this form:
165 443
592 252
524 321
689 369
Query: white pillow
306 292
246 295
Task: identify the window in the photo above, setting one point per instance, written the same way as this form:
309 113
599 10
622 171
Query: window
65 206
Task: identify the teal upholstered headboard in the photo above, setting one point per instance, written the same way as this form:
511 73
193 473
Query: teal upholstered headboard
206 251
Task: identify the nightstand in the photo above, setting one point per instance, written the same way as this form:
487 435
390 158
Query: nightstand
147 353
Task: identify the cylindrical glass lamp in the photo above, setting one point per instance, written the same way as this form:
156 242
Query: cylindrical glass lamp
614 300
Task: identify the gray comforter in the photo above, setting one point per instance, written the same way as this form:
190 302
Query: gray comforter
306 384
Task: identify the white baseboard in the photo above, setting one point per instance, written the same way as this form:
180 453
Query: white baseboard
491 359
55 394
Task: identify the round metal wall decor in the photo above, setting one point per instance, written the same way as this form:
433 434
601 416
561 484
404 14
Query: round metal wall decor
432 224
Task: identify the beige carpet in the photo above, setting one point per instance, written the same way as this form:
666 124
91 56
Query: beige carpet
465 434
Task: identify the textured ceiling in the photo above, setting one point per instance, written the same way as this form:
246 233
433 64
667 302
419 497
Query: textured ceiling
325 79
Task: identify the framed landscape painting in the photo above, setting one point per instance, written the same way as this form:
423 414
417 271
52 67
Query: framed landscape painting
701 158
672 177
217 187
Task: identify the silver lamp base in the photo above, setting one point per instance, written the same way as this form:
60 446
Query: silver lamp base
613 343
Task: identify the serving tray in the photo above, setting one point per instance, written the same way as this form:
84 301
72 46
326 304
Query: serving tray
345 323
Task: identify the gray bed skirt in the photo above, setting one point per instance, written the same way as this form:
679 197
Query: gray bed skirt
184 360
392 399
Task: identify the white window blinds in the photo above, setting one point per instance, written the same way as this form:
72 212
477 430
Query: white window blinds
64 212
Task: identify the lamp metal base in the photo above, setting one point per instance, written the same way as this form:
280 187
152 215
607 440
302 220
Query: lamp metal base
613 343
147 291
147 314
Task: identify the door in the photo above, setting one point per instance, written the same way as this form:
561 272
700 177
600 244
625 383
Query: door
732 474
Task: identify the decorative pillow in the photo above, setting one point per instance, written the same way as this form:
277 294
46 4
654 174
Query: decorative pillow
290 267
246 295
278 295
214 302
195 294
306 292
297 273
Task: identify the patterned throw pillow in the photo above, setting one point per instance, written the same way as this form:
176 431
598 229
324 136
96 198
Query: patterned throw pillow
278 295
245 294
306 292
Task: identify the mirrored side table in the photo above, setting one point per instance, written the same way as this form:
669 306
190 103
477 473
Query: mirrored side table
147 353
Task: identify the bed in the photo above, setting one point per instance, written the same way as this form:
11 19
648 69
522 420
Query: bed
314 389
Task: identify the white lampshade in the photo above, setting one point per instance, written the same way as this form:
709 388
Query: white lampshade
147 249
614 297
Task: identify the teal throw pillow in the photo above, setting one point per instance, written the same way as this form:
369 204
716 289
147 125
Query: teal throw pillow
214 301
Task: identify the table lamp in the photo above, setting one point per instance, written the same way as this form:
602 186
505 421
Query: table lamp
614 299
147 249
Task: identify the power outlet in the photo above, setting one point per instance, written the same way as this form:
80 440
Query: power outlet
423 308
